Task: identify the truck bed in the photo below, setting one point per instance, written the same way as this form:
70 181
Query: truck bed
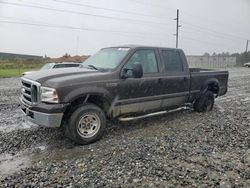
203 70
200 76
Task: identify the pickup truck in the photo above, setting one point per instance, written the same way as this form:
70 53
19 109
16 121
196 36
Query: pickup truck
117 83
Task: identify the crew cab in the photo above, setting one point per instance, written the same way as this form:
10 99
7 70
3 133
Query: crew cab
117 83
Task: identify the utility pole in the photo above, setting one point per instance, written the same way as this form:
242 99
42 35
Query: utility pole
247 46
177 28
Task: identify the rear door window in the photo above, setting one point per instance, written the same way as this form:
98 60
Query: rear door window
172 61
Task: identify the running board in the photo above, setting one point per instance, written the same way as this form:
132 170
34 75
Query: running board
153 114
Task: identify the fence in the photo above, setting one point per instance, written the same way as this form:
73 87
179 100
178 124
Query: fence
211 61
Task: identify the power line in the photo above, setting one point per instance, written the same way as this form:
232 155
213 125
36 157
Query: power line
214 31
152 5
83 13
186 12
26 21
206 42
189 25
197 40
120 33
202 18
81 28
191 29
20 19
25 1
108 9
140 35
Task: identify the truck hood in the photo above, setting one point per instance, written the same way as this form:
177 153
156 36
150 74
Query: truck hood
62 73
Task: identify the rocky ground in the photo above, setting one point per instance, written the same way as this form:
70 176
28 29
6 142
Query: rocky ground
175 150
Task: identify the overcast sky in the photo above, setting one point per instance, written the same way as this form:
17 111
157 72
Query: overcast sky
54 27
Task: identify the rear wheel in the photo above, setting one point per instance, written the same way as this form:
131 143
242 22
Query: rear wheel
86 124
205 102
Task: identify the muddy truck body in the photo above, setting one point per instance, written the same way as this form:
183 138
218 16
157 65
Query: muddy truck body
124 83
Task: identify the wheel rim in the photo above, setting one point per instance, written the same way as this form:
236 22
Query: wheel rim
88 125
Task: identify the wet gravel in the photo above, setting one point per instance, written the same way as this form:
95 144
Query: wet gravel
185 149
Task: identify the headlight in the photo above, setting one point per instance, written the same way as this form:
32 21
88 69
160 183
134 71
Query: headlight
49 95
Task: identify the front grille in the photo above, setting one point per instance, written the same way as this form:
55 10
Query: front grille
30 91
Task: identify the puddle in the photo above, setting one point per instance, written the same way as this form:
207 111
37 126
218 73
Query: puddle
15 121
60 154
9 128
10 164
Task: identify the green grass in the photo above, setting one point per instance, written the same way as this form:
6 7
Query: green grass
10 68
7 73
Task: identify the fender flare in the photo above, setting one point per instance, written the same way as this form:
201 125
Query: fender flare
80 92
208 82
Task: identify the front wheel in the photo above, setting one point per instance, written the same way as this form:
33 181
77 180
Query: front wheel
205 102
86 124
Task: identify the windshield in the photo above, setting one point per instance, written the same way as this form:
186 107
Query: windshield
108 58
47 66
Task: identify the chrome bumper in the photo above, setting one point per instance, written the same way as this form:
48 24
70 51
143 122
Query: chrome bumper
43 119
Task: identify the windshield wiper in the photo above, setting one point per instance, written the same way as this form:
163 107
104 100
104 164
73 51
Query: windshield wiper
93 67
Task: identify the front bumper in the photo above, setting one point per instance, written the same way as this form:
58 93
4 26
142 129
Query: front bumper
44 118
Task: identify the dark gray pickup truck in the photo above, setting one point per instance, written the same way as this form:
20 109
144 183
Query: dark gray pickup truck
117 83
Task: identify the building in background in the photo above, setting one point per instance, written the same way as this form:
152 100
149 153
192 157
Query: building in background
211 61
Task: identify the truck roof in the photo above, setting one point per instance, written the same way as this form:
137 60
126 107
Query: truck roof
133 46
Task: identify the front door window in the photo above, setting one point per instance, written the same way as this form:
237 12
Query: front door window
147 59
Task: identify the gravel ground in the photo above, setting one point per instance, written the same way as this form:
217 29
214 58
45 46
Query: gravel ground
174 150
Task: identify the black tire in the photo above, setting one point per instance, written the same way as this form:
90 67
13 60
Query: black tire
205 102
76 131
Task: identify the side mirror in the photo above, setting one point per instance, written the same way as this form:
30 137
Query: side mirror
137 70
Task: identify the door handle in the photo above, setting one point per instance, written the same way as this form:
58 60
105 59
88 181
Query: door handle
160 81
185 79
